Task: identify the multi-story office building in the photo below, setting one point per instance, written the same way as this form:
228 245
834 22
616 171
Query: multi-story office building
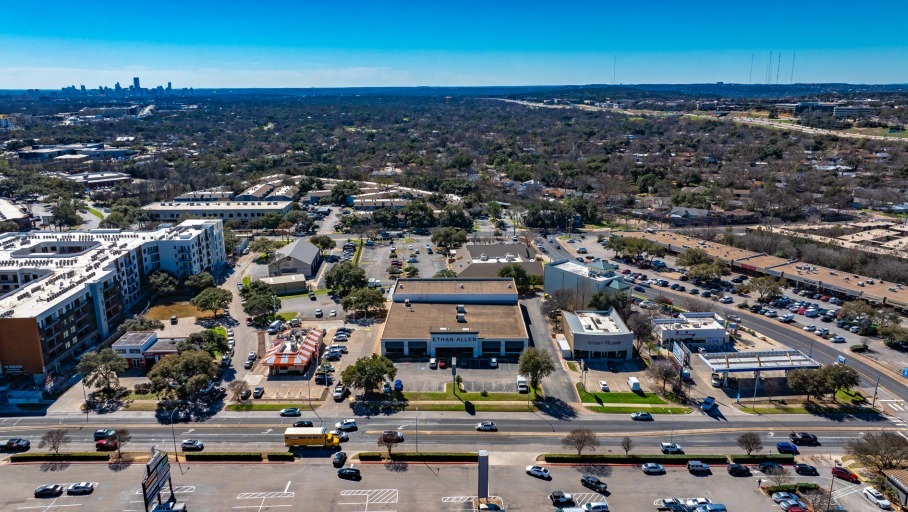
63 293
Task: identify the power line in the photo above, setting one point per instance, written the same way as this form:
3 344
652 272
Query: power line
792 76
750 79
778 68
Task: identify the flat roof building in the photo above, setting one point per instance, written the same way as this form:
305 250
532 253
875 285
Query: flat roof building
255 192
583 279
468 318
63 293
705 330
242 211
598 335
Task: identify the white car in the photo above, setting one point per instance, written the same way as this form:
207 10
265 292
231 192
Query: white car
696 502
877 498
603 385
348 424
493 363
596 506
539 472
810 328
779 497
837 339
787 504
671 448
726 300
488 426
333 312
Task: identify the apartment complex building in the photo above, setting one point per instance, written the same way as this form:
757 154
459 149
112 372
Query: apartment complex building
63 293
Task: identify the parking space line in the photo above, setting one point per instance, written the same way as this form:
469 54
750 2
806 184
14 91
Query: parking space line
176 490
582 498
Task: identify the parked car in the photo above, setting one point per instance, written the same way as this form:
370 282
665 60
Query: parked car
779 497
349 474
493 363
81 488
538 472
845 474
770 467
340 458
48 491
805 469
560 498
591 482
671 448
651 468
738 470
876 497
603 385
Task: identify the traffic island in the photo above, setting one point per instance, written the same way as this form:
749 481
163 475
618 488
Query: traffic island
461 457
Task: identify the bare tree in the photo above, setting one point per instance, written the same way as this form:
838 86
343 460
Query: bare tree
750 442
581 439
779 475
54 439
236 388
771 387
122 437
387 444
662 370
818 499
627 444
879 450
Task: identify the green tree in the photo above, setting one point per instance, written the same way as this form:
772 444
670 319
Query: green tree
535 365
455 216
209 340
345 277
522 278
765 287
99 369
840 377
708 271
448 237
182 375
461 161
140 323
368 373
691 257
213 299
230 240
264 245
411 271
162 282
198 282
385 217
418 214
65 213
342 190
115 220
8 226
604 301
259 303
493 209
364 300
324 242
445 273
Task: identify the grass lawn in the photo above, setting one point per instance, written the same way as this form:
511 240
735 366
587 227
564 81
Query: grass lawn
480 407
247 281
135 396
572 366
287 316
266 407
96 213
843 407
448 395
221 330
163 312
304 294
618 398
142 405
624 409
850 397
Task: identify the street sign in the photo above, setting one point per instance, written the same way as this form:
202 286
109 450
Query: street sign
157 474
454 366
842 360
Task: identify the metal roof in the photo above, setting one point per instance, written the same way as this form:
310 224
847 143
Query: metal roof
765 361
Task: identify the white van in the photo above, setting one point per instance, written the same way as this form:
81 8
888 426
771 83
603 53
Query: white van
695 466
274 327
522 384
633 383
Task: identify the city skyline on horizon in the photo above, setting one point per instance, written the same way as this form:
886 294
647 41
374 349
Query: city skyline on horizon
207 45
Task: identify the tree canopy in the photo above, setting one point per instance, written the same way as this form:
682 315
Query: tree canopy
535 365
209 340
99 369
448 237
345 277
198 282
213 299
162 282
368 373
364 301
182 375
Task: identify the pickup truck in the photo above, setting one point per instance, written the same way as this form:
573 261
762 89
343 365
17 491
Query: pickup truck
560 498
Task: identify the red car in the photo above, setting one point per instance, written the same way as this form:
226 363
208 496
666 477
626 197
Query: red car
845 474
626 271
825 298
106 445
249 321
442 364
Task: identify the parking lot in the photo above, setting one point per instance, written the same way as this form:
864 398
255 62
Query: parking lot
418 376
391 487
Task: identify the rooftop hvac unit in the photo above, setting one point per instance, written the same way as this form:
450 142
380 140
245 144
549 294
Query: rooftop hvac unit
461 308
407 302
461 318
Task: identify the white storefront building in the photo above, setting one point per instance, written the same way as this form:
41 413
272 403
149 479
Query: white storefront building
598 335
705 330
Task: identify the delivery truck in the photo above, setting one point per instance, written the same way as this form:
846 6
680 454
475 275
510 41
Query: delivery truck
302 437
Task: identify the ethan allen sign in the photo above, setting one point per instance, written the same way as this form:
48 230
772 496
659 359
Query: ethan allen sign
462 338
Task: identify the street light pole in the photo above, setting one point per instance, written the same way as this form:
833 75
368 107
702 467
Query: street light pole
672 437
85 397
309 388
417 430
173 432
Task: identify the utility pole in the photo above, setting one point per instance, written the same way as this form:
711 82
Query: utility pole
875 390
417 430
750 78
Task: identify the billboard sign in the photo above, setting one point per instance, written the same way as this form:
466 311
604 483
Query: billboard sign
157 474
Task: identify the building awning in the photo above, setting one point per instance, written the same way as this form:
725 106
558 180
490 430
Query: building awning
279 356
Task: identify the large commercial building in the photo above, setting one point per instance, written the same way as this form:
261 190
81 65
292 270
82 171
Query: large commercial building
706 330
242 211
297 257
454 318
63 293
598 335
486 260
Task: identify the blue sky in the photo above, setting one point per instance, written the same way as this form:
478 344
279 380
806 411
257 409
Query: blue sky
283 43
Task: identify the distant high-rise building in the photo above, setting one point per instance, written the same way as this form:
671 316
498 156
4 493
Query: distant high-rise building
118 88
83 89
168 87
135 83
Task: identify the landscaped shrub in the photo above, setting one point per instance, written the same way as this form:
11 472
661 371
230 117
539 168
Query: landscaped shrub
50 457
280 456
232 456
756 458
634 459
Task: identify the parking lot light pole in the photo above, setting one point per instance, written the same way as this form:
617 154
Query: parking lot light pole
173 432
417 430
672 437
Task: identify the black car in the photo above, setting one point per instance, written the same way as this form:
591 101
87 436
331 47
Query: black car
340 458
770 467
802 438
349 474
311 296
611 367
738 470
48 491
302 423
15 444
591 482
245 394
805 469
259 392
322 378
